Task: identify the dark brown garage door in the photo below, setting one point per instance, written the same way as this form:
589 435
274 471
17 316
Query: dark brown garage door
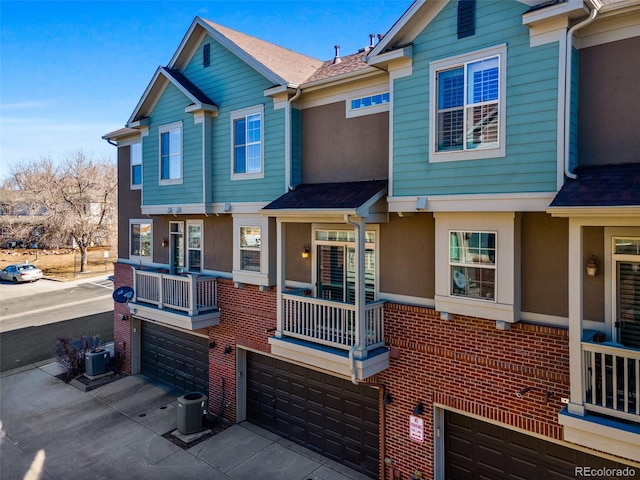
175 357
479 450
326 414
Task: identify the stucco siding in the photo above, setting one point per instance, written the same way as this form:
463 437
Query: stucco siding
531 110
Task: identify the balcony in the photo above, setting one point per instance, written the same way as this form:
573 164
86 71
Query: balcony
611 393
187 301
328 334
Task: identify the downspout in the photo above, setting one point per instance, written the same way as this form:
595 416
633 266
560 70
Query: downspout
110 142
567 89
288 170
356 345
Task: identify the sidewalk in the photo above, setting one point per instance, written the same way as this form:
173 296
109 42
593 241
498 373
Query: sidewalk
115 432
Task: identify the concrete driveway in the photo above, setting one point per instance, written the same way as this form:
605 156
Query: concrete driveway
115 432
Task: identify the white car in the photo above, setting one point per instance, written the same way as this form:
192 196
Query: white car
21 272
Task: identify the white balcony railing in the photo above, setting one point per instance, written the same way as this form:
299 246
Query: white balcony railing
192 294
612 380
330 323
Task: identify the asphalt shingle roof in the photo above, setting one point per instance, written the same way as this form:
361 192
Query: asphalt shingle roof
328 196
190 87
601 186
348 64
291 66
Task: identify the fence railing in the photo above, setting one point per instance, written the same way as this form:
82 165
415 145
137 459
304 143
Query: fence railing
193 294
612 380
330 323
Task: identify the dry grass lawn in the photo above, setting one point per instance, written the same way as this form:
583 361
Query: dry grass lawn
63 264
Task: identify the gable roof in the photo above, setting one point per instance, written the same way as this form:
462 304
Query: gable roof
156 86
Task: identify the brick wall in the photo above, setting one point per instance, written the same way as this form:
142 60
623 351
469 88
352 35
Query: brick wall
468 365
123 276
248 317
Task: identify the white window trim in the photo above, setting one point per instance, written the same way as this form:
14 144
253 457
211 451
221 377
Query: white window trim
359 112
135 186
199 223
266 275
506 304
164 129
483 153
257 109
139 258
341 227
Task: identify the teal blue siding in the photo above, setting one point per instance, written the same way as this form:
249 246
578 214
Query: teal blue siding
531 109
169 109
233 85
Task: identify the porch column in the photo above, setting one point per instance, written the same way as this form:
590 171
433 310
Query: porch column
361 323
576 377
280 275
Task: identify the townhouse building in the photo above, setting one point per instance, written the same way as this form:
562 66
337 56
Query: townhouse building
420 259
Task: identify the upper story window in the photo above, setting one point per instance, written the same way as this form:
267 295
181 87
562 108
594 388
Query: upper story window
140 240
368 104
467 111
472 264
170 153
135 156
247 144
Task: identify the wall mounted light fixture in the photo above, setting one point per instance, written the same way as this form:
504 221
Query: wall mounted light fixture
165 242
387 398
227 349
592 266
306 252
419 409
522 392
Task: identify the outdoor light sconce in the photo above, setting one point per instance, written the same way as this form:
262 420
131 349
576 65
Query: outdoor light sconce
212 344
592 266
165 242
387 398
124 318
227 349
419 409
306 252
522 392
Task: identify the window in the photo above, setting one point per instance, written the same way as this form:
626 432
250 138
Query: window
250 246
140 240
472 264
477 264
247 148
170 153
371 100
336 266
135 156
627 298
194 246
468 106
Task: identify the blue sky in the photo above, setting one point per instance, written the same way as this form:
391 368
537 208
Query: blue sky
72 71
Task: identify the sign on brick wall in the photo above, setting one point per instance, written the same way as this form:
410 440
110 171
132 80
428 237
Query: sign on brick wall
416 429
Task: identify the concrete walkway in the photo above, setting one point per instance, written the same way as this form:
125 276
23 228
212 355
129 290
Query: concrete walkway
115 432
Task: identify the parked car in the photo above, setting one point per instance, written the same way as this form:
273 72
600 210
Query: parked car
21 272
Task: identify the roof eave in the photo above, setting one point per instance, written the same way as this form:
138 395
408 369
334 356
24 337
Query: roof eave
594 211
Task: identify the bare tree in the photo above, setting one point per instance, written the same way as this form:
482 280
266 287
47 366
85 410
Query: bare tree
76 200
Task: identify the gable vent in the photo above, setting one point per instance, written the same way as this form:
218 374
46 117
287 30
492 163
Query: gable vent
466 18
206 55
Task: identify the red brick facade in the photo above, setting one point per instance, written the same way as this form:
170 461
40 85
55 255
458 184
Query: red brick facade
465 364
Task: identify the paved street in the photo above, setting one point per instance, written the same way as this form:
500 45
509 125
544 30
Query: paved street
33 315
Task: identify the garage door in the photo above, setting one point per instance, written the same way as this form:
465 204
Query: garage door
326 414
175 357
475 449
